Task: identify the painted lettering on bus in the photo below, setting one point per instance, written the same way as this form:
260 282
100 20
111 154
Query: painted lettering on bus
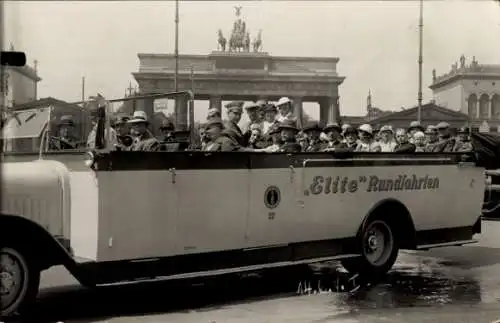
372 183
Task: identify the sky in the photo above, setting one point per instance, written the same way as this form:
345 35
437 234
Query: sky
376 41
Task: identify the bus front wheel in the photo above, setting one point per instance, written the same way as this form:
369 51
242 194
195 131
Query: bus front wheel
19 281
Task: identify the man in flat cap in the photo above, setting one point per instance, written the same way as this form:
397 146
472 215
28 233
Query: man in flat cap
463 142
122 131
218 140
333 134
231 128
213 113
431 134
446 142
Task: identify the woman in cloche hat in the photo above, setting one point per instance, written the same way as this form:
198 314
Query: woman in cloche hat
367 142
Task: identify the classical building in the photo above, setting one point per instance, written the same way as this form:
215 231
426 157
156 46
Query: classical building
472 89
19 84
240 73
432 114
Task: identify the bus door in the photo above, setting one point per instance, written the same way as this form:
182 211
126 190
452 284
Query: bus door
274 216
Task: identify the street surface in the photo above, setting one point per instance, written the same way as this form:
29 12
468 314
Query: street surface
456 284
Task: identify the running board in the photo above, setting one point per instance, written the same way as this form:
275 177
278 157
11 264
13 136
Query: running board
232 270
445 244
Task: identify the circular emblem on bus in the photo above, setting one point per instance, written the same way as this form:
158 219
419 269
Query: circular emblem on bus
272 197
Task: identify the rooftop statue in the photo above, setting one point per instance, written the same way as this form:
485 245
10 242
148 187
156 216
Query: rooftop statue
462 61
257 42
434 75
221 41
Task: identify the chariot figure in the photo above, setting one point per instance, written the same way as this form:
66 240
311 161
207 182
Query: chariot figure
247 42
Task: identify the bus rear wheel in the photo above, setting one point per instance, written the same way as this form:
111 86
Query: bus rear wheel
19 281
379 250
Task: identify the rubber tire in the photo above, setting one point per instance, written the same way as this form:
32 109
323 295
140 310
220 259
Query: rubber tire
362 266
29 292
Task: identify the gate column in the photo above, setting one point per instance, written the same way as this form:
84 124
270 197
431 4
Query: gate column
329 110
298 111
216 102
181 112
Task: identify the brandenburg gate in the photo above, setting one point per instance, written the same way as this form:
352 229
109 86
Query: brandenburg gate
242 73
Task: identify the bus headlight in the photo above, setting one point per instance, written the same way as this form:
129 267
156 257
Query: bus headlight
89 159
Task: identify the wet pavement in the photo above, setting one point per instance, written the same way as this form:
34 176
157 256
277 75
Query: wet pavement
456 284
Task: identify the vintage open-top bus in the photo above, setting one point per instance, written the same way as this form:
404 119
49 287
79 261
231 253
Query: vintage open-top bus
117 216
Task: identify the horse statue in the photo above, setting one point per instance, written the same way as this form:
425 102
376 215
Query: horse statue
257 43
221 41
247 42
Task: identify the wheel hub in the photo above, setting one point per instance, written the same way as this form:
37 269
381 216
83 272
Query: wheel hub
373 242
7 282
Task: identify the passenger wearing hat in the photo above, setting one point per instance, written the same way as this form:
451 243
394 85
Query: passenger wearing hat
285 109
334 139
313 131
387 141
213 113
446 141
167 129
110 137
367 141
254 120
66 138
302 140
414 127
270 112
432 139
217 139
231 128
275 142
463 142
122 131
288 131
143 139
404 144
351 138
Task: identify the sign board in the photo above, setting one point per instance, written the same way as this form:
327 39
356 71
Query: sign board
484 127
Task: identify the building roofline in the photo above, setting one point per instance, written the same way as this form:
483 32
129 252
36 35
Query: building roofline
244 54
26 71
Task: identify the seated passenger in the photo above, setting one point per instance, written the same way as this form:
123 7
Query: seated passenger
218 140
367 141
313 132
167 130
350 135
231 128
202 139
288 130
404 145
446 142
463 143
213 113
432 138
270 112
302 140
419 141
275 135
256 140
143 140
332 132
122 132
387 141
412 129
66 138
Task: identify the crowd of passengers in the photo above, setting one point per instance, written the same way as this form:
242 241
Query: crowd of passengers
272 127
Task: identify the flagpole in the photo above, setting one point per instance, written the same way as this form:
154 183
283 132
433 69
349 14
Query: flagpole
176 53
420 59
